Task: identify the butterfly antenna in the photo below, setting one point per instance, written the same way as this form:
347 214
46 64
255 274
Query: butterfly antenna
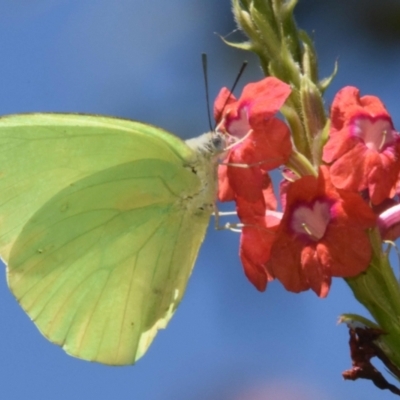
205 74
242 68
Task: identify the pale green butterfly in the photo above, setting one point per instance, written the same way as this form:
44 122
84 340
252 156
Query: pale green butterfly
101 220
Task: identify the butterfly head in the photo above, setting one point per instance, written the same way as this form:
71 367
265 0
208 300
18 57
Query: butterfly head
209 144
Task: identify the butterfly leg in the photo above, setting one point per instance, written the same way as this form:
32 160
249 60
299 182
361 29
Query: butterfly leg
234 227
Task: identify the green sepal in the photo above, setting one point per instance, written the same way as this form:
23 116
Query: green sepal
313 111
290 32
296 126
285 68
243 19
324 83
300 164
247 46
287 6
319 142
353 320
309 59
264 9
268 36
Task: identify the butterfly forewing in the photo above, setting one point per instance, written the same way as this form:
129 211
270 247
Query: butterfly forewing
100 258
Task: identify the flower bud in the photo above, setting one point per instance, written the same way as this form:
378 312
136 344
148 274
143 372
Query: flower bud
312 107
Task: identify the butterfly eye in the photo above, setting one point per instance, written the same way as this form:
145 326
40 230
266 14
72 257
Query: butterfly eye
218 143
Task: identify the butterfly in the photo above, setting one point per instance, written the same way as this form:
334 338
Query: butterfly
101 221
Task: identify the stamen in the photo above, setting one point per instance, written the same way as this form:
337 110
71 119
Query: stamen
307 229
384 135
311 219
376 132
238 141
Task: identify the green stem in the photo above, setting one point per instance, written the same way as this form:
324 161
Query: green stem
378 290
300 164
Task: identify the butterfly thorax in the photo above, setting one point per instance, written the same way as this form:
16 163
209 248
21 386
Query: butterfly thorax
208 148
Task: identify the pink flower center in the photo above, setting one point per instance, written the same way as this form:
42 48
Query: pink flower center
377 133
311 220
389 223
239 126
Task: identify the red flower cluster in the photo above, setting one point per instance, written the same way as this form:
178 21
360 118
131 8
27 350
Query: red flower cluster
262 143
323 229
363 147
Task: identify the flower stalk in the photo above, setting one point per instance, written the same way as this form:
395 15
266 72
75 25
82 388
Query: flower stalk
379 291
341 173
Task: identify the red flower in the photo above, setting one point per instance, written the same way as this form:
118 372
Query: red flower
363 146
255 246
322 234
258 234
262 143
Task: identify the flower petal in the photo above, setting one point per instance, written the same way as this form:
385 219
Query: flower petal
316 272
225 192
255 245
265 97
224 98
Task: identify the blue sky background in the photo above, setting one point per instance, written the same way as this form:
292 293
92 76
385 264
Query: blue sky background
141 60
